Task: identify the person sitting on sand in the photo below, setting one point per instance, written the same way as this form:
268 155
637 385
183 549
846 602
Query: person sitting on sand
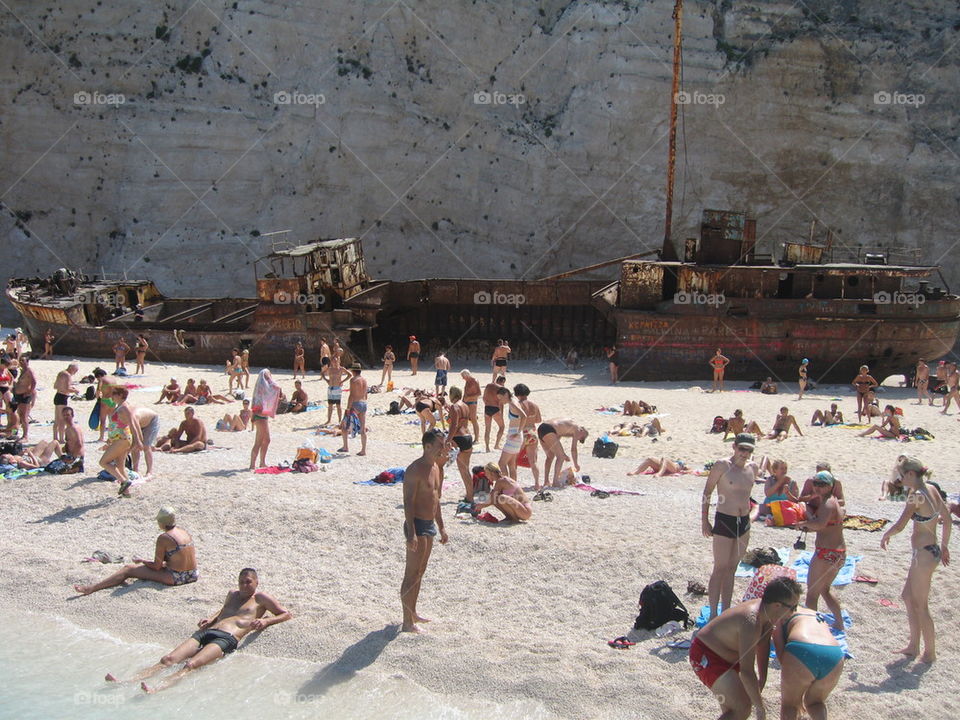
174 561
768 387
189 395
170 393
782 425
660 467
238 422
506 495
811 663
298 400
833 416
194 432
638 407
205 395
892 488
737 425
731 653
778 487
243 612
889 427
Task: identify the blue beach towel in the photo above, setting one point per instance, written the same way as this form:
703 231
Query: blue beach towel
397 473
802 565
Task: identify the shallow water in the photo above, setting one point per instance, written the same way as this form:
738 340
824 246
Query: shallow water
54 669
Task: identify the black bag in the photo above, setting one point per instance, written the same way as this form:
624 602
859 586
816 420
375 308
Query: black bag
394 408
11 447
605 449
659 605
90 393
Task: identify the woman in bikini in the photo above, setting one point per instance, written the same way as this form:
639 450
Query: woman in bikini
659 466
831 549
425 406
924 508
803 371
123 434
389 358
516 419
811 663
6 382
120 350
506 495
140 349
174 563
719 364
889 428
863 383
245 369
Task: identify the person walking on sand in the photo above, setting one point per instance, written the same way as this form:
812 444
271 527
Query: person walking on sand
299 361
471 394
140 352
719 364
244 611
731 653
63 388
123 434
531 440
422 520
498 362
804 377
926 510
953 387
266 397
355 419
922 380
733 479
831 551
413 354
174 559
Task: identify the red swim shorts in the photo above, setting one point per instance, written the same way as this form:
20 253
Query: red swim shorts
707 664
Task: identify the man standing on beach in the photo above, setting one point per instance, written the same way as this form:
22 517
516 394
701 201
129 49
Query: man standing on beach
243 612
442 365
335 377
530 439
492 411
63 389
719 364
499 360
149 423
422 518
953 388
733 480
24 393
922 381
356 408
413 354
471 394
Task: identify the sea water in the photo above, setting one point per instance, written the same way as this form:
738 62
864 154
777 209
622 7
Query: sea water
53 669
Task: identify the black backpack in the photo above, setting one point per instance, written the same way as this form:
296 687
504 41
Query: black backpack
659 605
605 449
11 446
394 408
90 393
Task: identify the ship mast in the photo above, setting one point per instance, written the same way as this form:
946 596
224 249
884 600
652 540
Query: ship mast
669 252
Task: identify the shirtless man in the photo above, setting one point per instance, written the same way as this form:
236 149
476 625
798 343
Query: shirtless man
471 394
733 479
299 361
492 411
719 364
941 375
63 390
768 387
243 612
833 416
499 360
298 400
737 425
120 350
530 438
922 381
953 393
170 393
550 432
421 520
731 653
782 425
72 438
194 432
149 422
324 353
335 377
356 407
24 393
442 365
459 435
413 354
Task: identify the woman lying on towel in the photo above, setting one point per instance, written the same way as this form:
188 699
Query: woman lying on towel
660 467
506 495
638 408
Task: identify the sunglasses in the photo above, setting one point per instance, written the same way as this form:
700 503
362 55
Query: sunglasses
818 483
791 608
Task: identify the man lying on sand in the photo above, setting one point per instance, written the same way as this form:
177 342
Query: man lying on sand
194 432
242 612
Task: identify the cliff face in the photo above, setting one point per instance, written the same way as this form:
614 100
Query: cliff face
164 139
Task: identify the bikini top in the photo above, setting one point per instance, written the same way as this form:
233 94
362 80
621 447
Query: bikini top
178 548
917 517
511 415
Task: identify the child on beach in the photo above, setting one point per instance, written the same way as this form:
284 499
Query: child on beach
778 487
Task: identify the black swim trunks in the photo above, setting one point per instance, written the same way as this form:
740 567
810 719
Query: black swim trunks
20 399
420 407
324 361
544 430
491 410
414 356
463 442
221 638
423 527
61 399
731 526
500 362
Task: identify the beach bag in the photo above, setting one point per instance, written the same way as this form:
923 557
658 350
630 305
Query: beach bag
480 481
303 465
90 393
605 448
394 408
719 424
59 466
762 577
11 447
522 459
306 453
120 372
786 513
659 605
93 422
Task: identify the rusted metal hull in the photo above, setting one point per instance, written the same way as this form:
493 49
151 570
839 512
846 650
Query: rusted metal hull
772 337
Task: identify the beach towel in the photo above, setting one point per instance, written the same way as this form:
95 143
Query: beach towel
862 522
612 491
266 395
397 473
802 565
16 473
748 571
272 470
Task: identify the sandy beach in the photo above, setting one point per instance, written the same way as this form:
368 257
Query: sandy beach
520 611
